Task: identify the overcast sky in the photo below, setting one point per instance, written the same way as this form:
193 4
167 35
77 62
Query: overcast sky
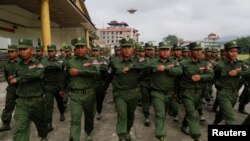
188 19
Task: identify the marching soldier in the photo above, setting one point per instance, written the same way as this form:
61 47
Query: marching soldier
162 84
196 73
39 53
54 85
9 70
62 54
30 104
82 71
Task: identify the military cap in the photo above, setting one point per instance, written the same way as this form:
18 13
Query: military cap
231 44
214 50
185 49
195 46
68 48
117 48
156 48
39 48
78 41
164 45
176 47
149 46
127 42
51 47
95 47
141 48
12 47
25 43
222 50
208 49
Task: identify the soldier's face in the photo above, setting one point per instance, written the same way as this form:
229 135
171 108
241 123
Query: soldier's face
39 53
95 53
81 51
25 53
68 53
127 51
141 53
52 54
62 52
196 54
149 52
185 53
208 54
232 53
177 53
164 53
12 54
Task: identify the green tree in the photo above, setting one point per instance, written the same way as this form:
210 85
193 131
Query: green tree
171 39
244 43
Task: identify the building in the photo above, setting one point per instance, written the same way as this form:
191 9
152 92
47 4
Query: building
212 40
52 21
111 35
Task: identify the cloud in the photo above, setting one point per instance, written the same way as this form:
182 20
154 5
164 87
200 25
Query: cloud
188 19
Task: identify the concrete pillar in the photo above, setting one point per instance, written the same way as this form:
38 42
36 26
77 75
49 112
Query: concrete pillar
86 32
45 24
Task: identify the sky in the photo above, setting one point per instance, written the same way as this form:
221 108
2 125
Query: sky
187 19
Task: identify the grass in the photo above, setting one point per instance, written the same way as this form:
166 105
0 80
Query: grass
243 56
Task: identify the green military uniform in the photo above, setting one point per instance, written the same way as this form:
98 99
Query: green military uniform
162 85
227 86
192 90
61 57
145 86
30 104
100 90
125 92
54 83
40 58
82 92
9 70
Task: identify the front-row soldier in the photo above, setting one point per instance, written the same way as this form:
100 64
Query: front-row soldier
30 104
82 71
164 72
125 75
196 73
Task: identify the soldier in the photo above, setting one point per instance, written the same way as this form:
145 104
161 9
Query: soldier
125 76
156 52
117 54
195 74
39 53
162 84
62 54
99 90
82 71
9 70
185 52
227 74
30 104
145 84
54 85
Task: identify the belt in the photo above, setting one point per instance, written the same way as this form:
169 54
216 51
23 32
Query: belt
31 98
84 91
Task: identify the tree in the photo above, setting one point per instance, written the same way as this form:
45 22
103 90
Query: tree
244 44
171 39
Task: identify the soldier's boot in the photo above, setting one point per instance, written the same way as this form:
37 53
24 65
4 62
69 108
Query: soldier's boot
241 109
202 118
176 118
89 138
4 127
185 130
98 116
50 127
122 137
162 139
197 139
147 121
44 139
128 137
62 117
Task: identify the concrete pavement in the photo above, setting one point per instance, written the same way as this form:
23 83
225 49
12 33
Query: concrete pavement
104 129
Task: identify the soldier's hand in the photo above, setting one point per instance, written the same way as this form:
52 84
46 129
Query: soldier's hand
196 78
13 81
61 93
125 69
233 73
73 72
10 77
160 68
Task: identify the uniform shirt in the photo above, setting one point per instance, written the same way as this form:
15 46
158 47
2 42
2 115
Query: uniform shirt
30 78
146 72
164 81
9 68
190 68
86 71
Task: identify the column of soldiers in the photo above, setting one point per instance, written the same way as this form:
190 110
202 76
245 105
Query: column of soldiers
164 78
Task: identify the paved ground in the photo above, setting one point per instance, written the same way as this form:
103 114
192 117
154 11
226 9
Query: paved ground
105 128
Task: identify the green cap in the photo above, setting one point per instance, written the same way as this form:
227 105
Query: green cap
39 48
141 48
149 46
51 47
195 46
68 48
231 44
164 45
25 43
176 47
78 41
12 47
95 47
208 49
214 50
127 42
185 49
117 48
222 50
